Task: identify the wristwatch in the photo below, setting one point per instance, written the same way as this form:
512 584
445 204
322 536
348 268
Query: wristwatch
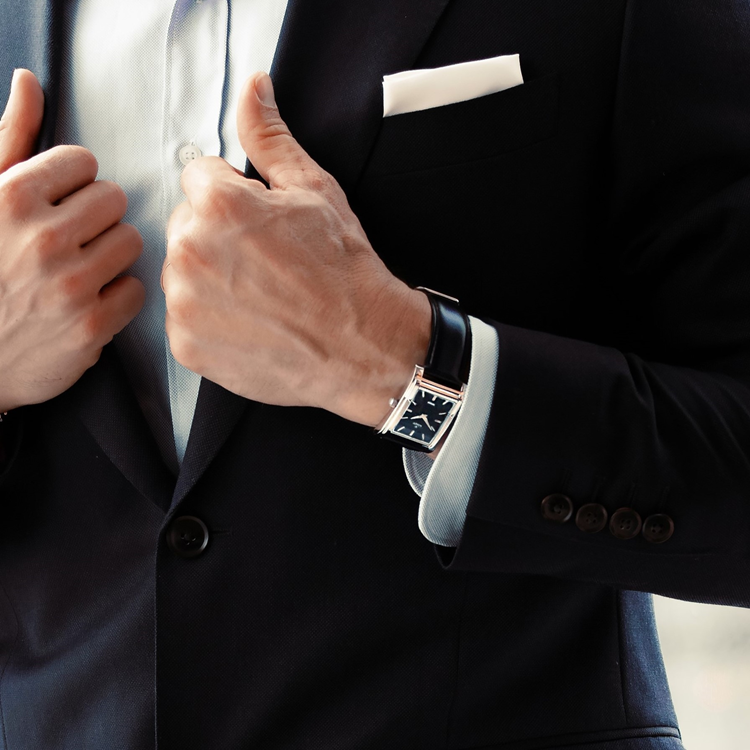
432 399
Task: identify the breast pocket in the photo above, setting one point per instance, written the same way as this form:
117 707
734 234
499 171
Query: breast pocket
466 131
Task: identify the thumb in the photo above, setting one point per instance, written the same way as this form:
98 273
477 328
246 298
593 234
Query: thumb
266 139
22 119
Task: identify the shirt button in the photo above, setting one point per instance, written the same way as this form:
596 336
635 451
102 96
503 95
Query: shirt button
625 524
189 153
557 508
187 536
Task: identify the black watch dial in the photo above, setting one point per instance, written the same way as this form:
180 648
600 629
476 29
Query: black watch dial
424 416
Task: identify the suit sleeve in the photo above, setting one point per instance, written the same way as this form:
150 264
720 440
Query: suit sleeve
660 422
11 432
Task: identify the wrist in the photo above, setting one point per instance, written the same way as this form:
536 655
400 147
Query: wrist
404 323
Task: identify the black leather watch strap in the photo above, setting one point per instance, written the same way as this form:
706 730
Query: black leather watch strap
446 366
449 354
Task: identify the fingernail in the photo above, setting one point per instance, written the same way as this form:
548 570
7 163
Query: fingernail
264 90
10 93
13 79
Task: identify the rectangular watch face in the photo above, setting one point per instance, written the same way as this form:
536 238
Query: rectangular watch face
426 417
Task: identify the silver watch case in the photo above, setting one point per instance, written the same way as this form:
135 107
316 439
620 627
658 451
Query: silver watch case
419 382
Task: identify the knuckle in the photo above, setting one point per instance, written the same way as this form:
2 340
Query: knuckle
131 238
127 296
209 162
73 286
114 195
17 197
90 328
201 200
180 303
182 248
186 260
317 201
331 184
136 297
316 180
310 205
183 350
47 240
198 175
176 221
139 291
217 198
205 197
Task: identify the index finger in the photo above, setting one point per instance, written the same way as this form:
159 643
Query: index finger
57 173
205 173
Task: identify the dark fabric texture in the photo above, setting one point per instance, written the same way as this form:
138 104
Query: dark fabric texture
597 217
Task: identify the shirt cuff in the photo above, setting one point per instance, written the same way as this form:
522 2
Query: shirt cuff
445 484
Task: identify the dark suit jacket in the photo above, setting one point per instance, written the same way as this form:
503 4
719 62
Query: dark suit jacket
597 217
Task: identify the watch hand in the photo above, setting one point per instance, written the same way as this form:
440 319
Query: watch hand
424 416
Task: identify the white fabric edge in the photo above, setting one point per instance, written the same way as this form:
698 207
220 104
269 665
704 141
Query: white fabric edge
445 484
415 90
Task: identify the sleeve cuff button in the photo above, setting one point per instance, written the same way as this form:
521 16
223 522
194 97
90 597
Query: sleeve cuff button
625 524
658 528
591 518
557 508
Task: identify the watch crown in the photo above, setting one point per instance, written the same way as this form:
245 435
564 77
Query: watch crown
393 402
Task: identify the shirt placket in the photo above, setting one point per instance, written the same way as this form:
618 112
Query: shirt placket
194 88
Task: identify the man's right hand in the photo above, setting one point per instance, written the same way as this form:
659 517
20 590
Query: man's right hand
61 247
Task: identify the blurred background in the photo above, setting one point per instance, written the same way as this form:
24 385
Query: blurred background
707 656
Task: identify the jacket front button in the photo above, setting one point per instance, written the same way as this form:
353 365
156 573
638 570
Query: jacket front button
658 528
625 524
187 536
591 518
557 508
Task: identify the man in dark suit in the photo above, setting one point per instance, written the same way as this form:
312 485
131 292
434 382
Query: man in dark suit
278 593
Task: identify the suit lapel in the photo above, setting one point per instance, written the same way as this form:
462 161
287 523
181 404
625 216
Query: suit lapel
328 70
30 39
105 403
217 411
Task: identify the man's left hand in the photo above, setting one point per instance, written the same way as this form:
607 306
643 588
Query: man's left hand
276 294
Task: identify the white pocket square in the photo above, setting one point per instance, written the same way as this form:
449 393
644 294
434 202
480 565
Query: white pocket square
413 90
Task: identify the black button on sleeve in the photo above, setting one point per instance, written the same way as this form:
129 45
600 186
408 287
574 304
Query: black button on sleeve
591 518
625 524
187 536
557 508
658 528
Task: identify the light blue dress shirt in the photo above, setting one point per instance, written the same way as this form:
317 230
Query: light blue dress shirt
142 80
